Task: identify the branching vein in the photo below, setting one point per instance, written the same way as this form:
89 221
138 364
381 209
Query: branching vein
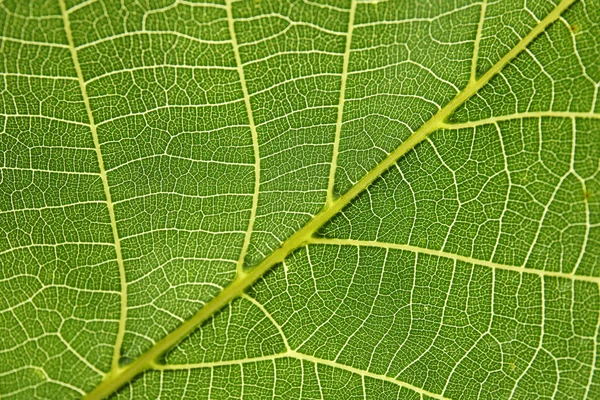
304 235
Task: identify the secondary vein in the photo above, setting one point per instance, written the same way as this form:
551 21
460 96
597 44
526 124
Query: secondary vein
109 202
302 237
340 114
292 354
255 145
478 41
457 257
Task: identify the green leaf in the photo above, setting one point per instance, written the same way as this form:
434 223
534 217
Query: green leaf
329 199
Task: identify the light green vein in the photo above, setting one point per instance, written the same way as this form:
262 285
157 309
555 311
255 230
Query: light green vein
522 115
457 257
340 114
109 202
255 146
302 357
268 315
477 41
119 377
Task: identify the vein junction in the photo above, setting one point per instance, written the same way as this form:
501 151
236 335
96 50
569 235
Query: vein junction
121 375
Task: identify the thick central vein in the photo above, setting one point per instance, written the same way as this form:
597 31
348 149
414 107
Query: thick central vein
109 202
148 360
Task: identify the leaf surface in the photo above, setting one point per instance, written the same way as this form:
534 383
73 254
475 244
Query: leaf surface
300 199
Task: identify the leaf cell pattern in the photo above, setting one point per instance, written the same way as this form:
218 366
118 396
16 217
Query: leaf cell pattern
328 199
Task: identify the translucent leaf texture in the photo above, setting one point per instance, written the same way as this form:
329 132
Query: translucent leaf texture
330 199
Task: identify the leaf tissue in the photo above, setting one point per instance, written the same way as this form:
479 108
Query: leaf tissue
299 199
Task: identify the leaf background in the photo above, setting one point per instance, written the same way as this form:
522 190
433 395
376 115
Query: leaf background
151 150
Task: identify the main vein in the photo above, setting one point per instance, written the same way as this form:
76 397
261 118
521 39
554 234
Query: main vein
148 360
109 202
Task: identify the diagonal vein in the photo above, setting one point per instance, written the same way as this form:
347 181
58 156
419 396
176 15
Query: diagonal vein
109 202
147 360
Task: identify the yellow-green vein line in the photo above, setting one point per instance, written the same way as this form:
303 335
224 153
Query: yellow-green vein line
456 257
477 41
255 145
292 354
114 381
340 113
109 202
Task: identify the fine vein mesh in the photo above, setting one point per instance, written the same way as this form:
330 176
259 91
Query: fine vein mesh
292 55
469 269
176 143
446 327
511 183
463 322
284 378
59 281
514 193
405 64
506 23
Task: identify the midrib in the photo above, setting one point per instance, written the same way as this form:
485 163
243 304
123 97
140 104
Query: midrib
106 187
119 376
